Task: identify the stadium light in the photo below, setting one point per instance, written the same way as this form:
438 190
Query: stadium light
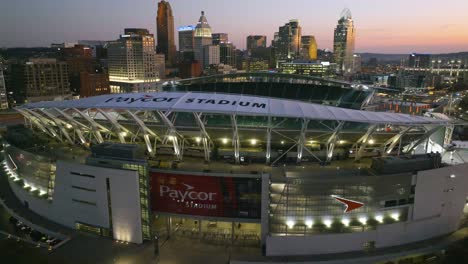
327 222
290 223
224 140
198 139
395 216
371 141
282 142
309 223
345 221
363 220
253 142
379 218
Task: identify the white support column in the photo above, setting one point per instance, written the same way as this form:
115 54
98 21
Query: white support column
393 141
58 123
145 131
40 120
172 133
204 135
235 138
96 128
331 142
75 125
121 130
34 120
302 139
408 148
364 140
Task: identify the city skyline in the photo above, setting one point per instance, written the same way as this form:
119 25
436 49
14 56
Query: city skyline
399 27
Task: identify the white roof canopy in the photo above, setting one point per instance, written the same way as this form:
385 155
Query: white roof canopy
234 104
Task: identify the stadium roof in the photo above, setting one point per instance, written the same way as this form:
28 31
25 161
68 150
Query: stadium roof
230 104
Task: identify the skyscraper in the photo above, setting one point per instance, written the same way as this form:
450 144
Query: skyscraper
202 38
186 38
165 31
132 61
287 42
309 48
227 54
219 38
255 41
343 46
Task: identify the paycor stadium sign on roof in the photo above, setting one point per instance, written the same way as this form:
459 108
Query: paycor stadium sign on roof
206 101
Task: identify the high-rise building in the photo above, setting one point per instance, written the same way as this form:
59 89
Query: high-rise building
357 61
287 42
343 45
210 55
186 38
202 38
161 65
165 31
132 61
309 48
227 54
3 93
256 41
218 38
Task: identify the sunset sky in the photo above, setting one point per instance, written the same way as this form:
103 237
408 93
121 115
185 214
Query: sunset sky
397 26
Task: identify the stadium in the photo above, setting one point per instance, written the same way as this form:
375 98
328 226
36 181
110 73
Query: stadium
238 166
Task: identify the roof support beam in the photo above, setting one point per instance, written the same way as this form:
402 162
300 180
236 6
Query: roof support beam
301 140
44 124
206 140
122 131
268 145
235 139
364 140
58 123
146 132
410 147
34 120
95 126
331 142
75 124
172 134
393 141
282 155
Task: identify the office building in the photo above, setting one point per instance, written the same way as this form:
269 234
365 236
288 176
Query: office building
287 41
165 32
132 61
218 38
357 61
308 48
94 83
190 69
186 38
202 38
343 45
255 65
3 93
309 68
161 65
211 55
227 54
255 42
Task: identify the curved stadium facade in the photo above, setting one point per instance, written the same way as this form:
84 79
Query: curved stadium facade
202 163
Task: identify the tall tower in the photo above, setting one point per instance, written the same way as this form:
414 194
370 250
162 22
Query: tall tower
287 41
309 48
343 46
202 37
165 31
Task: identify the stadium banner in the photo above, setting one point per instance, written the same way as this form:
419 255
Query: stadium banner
230 197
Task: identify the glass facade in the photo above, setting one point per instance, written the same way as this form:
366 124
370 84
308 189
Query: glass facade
303 206
36 172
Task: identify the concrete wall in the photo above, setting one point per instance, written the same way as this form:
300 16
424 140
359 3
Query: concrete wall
437 210
65 209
